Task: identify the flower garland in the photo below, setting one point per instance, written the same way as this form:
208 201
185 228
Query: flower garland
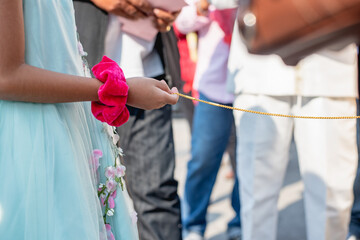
83 56
114 178
114 174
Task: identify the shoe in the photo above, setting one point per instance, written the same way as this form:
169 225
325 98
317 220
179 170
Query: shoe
193 236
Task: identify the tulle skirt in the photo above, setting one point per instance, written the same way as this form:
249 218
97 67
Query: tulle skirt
48 185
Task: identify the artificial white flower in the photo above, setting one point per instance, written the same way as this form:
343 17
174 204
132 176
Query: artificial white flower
115 138
110 212
134 217
81 50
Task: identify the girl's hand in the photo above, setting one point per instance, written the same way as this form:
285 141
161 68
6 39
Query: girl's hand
148 93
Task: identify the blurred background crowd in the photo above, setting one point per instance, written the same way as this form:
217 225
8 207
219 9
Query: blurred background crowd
198 48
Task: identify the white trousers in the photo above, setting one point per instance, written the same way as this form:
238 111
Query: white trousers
327 154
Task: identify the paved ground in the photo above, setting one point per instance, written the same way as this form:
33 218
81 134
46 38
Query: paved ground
291 219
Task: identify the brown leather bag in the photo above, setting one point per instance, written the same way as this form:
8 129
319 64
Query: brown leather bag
296 28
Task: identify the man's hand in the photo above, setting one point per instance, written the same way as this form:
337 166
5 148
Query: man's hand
164 19
132 9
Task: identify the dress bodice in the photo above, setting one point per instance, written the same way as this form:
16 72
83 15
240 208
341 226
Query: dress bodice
50 36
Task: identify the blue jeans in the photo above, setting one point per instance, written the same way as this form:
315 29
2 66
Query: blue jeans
210 135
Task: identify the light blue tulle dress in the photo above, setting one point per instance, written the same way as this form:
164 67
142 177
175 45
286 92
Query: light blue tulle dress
48 182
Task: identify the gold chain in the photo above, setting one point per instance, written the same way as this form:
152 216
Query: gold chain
263 113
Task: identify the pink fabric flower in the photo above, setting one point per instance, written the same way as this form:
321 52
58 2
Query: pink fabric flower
97 154
110 235
112 94
110 172
120 171
102 201
95 163
111 185
111 202
112 115
113 195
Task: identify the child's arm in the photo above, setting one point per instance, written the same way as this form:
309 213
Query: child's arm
148 93
22 82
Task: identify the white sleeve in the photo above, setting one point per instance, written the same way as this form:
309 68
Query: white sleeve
188 20
223 4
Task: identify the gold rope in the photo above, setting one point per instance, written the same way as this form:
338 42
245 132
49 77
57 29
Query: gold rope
263 113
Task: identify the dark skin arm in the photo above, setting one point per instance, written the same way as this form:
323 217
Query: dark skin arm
22 82
132 9
164 19
136 9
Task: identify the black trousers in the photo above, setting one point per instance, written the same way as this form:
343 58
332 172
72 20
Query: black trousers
147 141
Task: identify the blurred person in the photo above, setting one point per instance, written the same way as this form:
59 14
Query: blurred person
322 84
187 45
147 138
211 125
354 228
50 144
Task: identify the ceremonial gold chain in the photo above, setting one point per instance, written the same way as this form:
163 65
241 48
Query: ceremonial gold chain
263 113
